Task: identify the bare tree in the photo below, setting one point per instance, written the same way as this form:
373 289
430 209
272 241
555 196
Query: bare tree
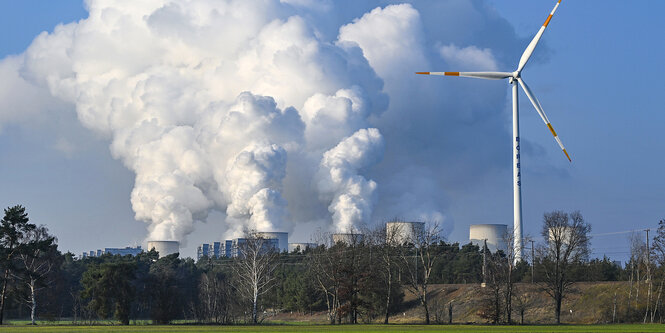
254 267
507 275
636 263
491 308
566 239
658 244
439 309
658 251
522 303
649 279
325 265
417 263
37 257
214 297
500 281
336 266
386 241
354 276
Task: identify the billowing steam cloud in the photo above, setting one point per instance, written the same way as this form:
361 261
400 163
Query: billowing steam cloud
353 195
254 180
271 112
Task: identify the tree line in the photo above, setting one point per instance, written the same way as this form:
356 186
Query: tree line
361 280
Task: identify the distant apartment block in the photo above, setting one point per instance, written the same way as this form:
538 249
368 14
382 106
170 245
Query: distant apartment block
132 251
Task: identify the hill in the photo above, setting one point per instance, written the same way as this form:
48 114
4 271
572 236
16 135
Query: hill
587 303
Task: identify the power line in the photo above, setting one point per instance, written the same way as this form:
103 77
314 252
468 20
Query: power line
619 232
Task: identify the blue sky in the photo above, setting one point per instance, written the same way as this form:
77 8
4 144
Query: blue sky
598 74
602 81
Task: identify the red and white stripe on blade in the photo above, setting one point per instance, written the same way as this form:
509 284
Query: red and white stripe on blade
541 112
532 46
477 75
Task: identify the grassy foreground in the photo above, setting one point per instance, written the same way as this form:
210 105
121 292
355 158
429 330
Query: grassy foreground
341 328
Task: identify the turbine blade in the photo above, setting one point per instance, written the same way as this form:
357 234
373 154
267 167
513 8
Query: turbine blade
477 75
532 46
541 112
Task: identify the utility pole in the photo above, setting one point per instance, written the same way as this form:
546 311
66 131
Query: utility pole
614 310
484 261
648 278
533 261
648 254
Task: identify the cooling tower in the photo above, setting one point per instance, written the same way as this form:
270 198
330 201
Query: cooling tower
494 233
348 239
164 247
281 237
564 234
403 232
301 246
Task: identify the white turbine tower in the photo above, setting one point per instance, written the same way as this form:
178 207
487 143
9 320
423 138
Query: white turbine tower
516 78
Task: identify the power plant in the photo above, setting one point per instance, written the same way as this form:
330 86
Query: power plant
347 238
266 245
132 251
232 247
560 234
213 250
164 248
495 234
281 237
399 232
300 247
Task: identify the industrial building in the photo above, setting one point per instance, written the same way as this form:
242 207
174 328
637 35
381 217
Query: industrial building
564 235
132 251
213 250
399 232
348 238
281 237
202 250
228 246
164 248
494 234
277 241
268 244
300 247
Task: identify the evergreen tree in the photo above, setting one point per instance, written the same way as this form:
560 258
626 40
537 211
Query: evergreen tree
110 289
13 229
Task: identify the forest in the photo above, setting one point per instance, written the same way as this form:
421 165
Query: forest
351 282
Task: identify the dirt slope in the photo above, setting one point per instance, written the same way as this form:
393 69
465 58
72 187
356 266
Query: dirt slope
587 303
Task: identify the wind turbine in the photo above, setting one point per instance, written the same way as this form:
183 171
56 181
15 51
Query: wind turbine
514 79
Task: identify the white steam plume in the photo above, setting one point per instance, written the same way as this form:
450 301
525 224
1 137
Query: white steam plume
257 109
195 98
353 196
254 180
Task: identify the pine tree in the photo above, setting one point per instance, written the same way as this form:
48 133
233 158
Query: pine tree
13 229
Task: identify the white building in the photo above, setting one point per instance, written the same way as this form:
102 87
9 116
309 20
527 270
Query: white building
404 232
495 234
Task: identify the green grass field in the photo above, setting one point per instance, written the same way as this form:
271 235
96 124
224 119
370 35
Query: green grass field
341 328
